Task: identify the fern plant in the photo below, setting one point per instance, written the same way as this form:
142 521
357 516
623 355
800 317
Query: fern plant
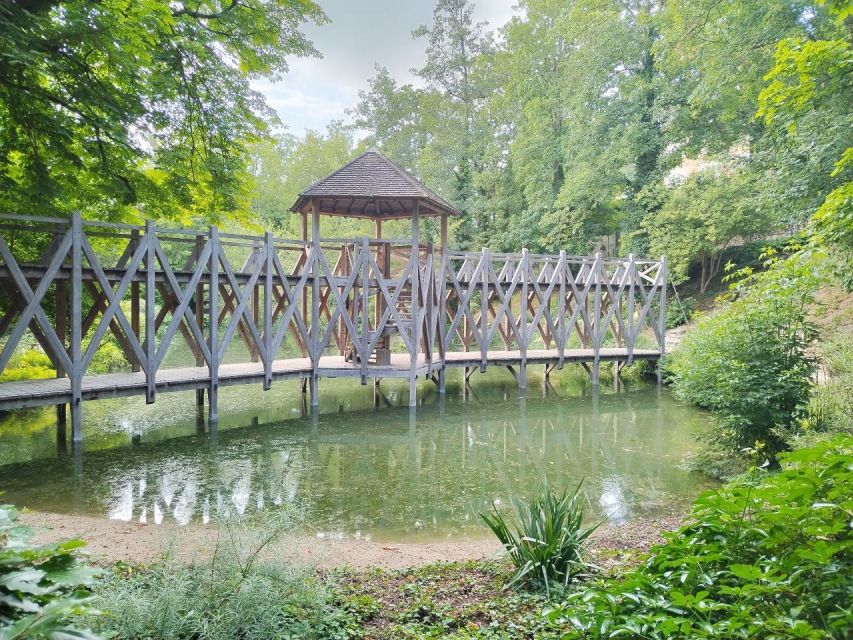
546 541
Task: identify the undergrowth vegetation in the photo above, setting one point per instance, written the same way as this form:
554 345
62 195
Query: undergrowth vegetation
766 557
241 591
41 586
749 362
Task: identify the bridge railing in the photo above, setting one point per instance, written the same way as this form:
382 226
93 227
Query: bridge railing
72 285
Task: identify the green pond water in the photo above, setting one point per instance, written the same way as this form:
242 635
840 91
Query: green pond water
363 466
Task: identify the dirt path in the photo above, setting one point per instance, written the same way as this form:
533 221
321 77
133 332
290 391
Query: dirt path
111 540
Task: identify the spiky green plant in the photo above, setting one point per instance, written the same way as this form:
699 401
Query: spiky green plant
546 541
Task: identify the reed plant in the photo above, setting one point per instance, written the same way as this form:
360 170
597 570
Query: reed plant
546 539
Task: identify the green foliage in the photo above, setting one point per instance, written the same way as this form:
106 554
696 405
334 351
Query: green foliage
830 408
679 312
240 592
700 218
285 166
546 543
766 557
806 106
32 364
747 362
41 586
109 358
125 108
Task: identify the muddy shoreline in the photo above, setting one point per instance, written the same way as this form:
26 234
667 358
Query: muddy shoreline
111 541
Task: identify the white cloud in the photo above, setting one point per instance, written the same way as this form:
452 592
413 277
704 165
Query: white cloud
362 33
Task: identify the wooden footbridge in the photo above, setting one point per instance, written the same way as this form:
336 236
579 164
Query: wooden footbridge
255 309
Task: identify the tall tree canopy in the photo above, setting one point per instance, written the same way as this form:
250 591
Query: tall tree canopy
128 107
563 130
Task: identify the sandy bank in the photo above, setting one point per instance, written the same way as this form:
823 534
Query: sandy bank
112 540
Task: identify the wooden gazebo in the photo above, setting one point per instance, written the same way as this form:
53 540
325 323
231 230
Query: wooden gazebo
374 187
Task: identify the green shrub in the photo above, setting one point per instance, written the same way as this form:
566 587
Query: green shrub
679 312
547 541
767 557
32 364
240 592
41 586
748 364
109 358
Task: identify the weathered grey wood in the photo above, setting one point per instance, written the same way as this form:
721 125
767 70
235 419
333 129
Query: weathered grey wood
150 323
596 326
430 304
315 349
525 335
76 369
213 249
415 312
268 296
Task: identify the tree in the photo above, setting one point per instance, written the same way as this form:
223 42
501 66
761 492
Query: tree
455 43
806 105
700 218
128 107
286 166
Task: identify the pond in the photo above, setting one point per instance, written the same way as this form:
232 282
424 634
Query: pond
363 466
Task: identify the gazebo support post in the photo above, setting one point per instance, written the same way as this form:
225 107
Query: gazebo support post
315 349
416 329
306 350
442 377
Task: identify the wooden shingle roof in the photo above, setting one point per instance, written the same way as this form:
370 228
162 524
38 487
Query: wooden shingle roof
372 186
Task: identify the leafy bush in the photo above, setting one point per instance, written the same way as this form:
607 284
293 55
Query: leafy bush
748 362
767 557
547 541
109 358
679 312
237 593
32 364
41 586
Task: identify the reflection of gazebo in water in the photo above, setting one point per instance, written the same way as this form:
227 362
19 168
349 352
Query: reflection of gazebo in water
379 303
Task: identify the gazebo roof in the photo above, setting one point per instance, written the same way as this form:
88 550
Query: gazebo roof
372 186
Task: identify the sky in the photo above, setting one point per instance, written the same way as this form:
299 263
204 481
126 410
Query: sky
361 33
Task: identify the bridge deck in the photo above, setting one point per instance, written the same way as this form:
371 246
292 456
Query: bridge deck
33 393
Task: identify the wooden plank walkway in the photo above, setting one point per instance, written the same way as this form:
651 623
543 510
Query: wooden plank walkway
34 393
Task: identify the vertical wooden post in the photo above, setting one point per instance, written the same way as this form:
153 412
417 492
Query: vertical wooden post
442 302
150 328
268 295
199 314
596 321
632 275
254 352
76 372
307 351
365 311
562 268
415 314
379 307
62 332
484 315
213 336
315 348
662 307
662 316
522 319
134 305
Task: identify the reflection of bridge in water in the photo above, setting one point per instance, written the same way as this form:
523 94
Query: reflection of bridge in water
354 475
254 309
